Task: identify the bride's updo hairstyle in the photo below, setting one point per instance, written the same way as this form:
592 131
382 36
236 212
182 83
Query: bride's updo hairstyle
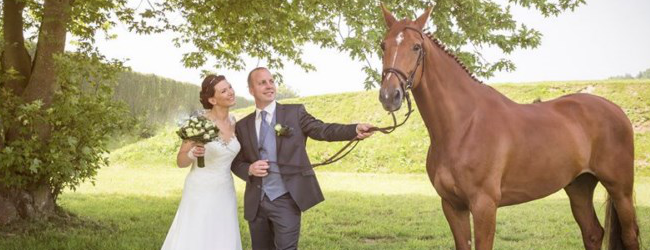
207 89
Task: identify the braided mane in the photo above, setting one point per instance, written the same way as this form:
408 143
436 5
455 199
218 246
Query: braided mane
452 55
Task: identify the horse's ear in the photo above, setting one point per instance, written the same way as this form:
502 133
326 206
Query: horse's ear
422 20
388 17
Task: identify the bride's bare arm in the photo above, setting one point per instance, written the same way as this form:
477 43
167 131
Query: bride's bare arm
187 153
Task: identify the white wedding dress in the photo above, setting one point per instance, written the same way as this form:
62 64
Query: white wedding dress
207 215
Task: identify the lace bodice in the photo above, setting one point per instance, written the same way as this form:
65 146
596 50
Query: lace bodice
220 153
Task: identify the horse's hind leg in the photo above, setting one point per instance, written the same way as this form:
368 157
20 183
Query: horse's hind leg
458 219
615 170
623 225
581 192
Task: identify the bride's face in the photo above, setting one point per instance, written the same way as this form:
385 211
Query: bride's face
224 95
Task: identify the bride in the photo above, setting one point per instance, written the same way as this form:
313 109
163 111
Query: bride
207 215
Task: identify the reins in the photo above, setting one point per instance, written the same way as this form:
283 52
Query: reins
345 150
353 143
406 84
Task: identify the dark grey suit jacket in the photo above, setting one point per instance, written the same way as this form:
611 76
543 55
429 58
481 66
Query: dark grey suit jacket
294 164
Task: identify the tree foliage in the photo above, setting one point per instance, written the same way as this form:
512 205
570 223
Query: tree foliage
285 92
80 123
641 75
275 30
644 74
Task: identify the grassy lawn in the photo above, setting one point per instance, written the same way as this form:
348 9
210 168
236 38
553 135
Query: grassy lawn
132 208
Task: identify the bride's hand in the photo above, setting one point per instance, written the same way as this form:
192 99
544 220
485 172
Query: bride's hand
188 153
198 150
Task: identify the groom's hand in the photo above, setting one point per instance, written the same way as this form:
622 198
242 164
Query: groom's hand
259 168
363 131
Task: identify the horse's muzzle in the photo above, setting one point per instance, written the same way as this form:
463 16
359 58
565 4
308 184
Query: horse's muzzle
391 98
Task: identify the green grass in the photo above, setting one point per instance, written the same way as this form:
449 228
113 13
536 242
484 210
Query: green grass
132 208
405 150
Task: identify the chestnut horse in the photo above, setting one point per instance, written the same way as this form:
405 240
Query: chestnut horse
488 151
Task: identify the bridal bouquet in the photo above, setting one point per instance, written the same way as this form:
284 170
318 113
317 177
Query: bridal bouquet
201 130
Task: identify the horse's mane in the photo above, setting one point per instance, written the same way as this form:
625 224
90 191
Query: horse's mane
452 55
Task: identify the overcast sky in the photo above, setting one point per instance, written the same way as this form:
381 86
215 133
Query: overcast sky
598 40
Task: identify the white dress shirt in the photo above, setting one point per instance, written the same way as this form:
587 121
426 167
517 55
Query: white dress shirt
270 109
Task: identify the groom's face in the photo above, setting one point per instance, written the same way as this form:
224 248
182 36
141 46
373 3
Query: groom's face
262 87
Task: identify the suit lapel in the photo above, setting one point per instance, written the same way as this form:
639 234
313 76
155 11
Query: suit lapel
252 134
279 119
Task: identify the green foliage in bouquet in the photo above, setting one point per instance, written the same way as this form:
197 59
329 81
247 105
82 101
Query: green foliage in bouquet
201 130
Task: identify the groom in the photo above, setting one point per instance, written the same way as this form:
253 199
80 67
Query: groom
280 182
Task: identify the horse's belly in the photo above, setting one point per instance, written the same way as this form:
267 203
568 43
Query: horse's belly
513 197
542 164
524 188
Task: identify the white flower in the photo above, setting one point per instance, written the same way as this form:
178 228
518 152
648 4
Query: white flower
281 130
206 136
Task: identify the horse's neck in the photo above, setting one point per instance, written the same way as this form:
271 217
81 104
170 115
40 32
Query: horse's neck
447 95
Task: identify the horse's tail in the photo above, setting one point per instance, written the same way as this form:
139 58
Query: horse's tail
613 229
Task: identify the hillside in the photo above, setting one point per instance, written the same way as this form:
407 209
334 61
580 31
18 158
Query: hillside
404 151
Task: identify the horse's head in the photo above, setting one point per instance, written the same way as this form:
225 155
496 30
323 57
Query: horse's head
403 58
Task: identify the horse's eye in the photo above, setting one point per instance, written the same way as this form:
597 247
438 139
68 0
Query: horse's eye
383 46
417 47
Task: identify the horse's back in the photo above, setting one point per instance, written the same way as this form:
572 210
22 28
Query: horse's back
596 115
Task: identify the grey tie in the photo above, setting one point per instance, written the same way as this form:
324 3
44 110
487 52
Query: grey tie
272 184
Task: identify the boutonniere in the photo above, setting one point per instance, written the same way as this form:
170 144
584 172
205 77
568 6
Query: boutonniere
282 130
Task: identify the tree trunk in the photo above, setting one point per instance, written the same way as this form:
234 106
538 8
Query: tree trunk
51 42
15 56
36 202
40 82
15 61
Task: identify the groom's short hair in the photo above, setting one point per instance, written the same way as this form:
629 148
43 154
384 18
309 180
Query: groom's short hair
250 75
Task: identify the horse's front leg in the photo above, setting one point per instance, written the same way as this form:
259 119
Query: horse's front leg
484 214
458 219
